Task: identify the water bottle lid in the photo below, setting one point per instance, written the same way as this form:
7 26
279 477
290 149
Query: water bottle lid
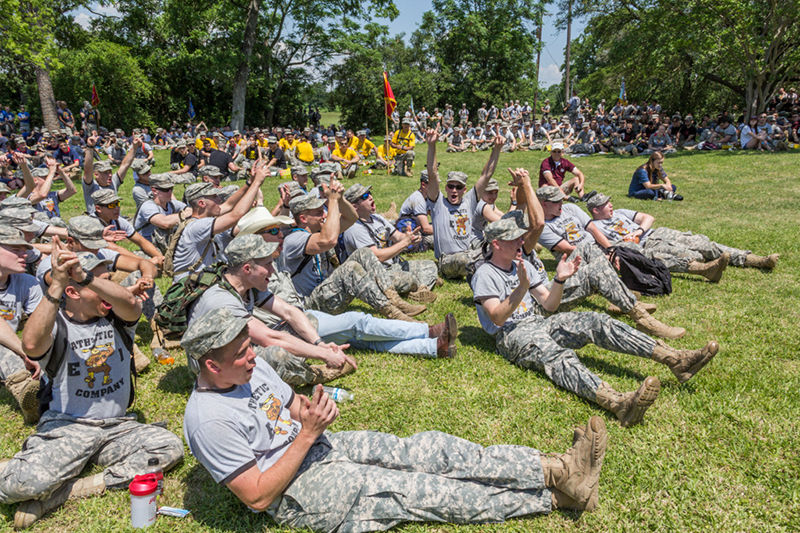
143 485
152 461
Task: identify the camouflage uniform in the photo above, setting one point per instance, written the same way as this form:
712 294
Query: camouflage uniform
454 266
596 275
666 242
291 369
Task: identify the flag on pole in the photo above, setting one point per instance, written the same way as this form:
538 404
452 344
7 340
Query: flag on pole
191 109
412 108
623 95
388 96
95 96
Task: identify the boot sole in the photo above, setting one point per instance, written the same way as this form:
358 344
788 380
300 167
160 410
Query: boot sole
723 264
586 492
645 396
713 349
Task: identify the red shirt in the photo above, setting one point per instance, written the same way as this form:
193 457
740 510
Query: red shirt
558 168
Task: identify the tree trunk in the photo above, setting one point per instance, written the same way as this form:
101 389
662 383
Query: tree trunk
567 92
538 64
243 72
47 99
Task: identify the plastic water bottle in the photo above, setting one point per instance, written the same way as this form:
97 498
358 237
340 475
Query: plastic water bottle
153 467
338 395
144 500
163 357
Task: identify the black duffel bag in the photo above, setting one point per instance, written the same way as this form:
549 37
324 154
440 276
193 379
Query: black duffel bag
638 273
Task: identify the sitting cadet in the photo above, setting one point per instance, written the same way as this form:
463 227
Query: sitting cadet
681 251
455 246
97 175
416 277
568 231
485 211
270 447
46 200
414 214
156 219
402 145
19 296
307 255
85 348
505 287
345 157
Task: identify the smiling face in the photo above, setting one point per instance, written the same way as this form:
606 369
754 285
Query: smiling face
257 272
455 192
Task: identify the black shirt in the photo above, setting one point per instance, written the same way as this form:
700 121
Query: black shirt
219 159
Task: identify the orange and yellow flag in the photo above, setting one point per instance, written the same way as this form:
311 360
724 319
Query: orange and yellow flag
388 96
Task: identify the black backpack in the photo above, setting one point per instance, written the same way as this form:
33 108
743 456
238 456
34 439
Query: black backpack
638 273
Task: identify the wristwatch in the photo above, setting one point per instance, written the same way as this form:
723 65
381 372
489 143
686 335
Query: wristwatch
87 280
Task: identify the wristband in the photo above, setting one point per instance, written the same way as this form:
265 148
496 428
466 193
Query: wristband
52 299
318 342
559 281
87 280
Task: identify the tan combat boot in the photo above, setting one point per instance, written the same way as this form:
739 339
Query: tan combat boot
629 407
651 326
684 363
140 360
324 374
404 306
390 311
649 307
711 270
573 476
759 261
422 295
24 389
32 510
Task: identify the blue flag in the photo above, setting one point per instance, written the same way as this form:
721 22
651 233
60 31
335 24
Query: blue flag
191 109
623 95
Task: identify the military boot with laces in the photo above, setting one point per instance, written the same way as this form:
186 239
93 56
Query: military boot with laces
684 363
629 407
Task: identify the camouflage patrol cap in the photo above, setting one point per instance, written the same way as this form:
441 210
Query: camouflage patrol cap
141 167
408 121
355 191
492 185
180 144
423 176
361 132
89 261
40 172
300 170
19 218
213 330
200 190
227 192
550 193
519 217
305 202
105 196
210 170
15 201
104 165
245 248
272 139
457 176
4 188
161 181
88 231
597 200
11 236
505 229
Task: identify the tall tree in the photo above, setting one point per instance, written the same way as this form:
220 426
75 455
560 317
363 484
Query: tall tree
243 70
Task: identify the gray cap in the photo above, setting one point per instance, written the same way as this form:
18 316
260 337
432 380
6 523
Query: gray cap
305 202
354 192
162 181
300 169
457 176
227 192
141 167
4 188
12 237
40 172
180 144
248 247
210 170
423 176
557 146
89 261
103 165
88 231
408 121
213 330
492 185
272 139
598 200
105 196
200 190
15 201
297 191
550 193
19 218
505 229
361 132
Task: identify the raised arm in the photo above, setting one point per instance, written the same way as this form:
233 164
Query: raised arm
491 165
128 159
29 186
230 218
329 234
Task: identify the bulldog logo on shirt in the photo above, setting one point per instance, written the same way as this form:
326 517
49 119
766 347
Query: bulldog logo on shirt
619 228
96 363
461 225
7 313
573 232
271 406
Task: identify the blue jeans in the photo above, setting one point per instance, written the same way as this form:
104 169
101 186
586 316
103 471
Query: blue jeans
365 332
648 194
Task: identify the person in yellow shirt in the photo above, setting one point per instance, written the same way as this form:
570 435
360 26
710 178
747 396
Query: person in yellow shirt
403 142
366 148
288 142
346 157
384 160
352 140
304 152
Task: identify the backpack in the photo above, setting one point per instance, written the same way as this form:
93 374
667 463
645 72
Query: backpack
638 273
172 316
169 268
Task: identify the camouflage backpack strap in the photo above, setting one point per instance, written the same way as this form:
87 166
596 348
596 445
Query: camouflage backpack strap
173 245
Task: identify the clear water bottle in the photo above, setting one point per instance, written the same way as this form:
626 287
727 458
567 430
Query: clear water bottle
153 467
163 357
338 395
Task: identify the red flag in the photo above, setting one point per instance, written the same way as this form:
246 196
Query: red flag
95 98
388 96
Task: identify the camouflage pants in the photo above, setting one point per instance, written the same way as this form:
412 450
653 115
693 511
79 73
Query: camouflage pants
154 296
412 275
596 275
454 266
381 480
10 363
351 280
292 369
691 246
548 344
62 446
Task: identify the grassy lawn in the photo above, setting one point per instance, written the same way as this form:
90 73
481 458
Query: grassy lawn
717 453
329 117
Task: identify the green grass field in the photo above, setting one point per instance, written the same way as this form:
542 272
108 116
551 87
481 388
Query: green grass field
718 453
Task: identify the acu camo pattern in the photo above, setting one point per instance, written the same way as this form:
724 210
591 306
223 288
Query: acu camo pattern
596 275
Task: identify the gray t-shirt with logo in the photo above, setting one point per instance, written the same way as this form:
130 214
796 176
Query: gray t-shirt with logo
316 269
570 226
452 224
19 297
94 186
376 231
148 210
619 225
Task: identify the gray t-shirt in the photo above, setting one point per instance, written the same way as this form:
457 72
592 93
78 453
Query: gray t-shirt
570 226
19 297
218 296
452 224
316 269
491 281
377 231
94 379
120 224
148 210
141 193
45 265
414 205
619 225
478 220
89 189
231 430
197 236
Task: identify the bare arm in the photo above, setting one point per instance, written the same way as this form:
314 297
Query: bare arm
527 197
229 219
644 220
88 161
326 239
9 339
500 311
423 222
598 235
27 178
128 159
550 298
147 247
489 168
348 214
69 189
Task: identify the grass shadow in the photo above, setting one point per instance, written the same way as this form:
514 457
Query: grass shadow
475 337
178 380
603 367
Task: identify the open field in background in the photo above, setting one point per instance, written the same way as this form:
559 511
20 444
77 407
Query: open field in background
718 453
329 117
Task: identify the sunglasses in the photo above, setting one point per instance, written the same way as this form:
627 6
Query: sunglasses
365 195
271 231
555 151
113 205
455 186
161 189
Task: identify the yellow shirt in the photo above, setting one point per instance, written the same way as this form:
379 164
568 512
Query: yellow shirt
199 143
349 154
353 142
285 145
263 143
407 141
365 149
305 152
382 152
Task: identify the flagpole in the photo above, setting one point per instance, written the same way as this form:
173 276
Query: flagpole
385 141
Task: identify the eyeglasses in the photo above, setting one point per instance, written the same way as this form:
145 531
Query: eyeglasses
365 195
455 186
113 205
271 231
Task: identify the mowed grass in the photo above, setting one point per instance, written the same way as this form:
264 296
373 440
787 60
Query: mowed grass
717 453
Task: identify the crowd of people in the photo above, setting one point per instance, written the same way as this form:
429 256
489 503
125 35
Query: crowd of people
258 293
